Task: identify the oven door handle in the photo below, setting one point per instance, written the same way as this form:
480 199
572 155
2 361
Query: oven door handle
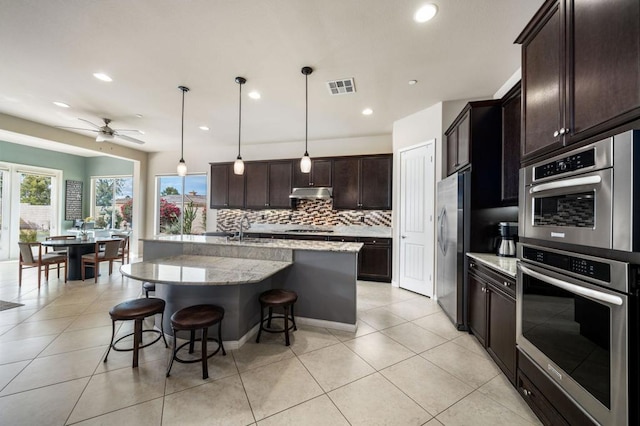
567 183
582 291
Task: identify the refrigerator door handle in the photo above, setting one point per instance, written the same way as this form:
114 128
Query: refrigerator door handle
442 236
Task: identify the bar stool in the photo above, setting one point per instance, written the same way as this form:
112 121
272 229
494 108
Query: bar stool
147 287
277 298
192 318
136 310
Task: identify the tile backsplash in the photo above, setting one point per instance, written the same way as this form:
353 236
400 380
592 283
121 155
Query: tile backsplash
308 212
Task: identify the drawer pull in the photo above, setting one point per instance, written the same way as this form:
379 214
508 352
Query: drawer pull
526 392
506 283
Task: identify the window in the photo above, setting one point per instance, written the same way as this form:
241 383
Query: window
112 202
181 204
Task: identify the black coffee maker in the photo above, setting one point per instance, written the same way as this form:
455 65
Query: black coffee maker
508 235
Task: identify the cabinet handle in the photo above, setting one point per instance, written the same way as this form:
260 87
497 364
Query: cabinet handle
564 130
484 290
310 183
472 265
506 283
526 392
556 134
266 204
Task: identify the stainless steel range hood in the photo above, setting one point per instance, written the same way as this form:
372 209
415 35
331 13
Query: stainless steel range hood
311 193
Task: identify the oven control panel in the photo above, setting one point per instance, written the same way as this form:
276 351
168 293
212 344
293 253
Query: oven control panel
567 164
577 265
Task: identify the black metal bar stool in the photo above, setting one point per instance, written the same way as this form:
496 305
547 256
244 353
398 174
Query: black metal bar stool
192 318
136 310
277 298
147 287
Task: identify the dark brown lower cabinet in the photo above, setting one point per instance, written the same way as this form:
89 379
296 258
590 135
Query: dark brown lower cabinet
492 315
374 260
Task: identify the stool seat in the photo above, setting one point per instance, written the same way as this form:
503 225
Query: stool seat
136 309
196 317
147 287
277 297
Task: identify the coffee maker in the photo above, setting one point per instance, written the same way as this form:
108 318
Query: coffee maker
508 234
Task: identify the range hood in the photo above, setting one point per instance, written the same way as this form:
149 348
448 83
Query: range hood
322 193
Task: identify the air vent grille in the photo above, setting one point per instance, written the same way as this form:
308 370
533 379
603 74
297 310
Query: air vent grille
341 87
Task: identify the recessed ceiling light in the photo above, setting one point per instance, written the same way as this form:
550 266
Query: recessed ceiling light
425 13
254 95
204 128
412 82
139 115
61 104
102 76
367 111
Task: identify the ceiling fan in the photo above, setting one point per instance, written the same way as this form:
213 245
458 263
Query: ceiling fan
106 133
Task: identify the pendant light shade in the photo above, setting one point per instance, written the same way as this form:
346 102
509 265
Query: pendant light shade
238 165
182 166
305 162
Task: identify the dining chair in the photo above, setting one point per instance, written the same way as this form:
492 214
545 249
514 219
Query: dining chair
123 251
60 251
29 260
109 254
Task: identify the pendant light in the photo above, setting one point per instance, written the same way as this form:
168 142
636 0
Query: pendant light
305 162
182 166
238 165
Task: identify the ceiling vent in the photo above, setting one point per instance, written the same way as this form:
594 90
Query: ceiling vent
341 87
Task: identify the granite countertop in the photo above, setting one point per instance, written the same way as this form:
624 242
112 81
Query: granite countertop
505 265
336 231
203 270
335 246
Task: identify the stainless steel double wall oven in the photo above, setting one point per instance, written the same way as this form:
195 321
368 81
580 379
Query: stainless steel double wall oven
577 314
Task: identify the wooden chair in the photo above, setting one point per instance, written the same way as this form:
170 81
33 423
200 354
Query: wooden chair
60 251
28 259
110 253
123 251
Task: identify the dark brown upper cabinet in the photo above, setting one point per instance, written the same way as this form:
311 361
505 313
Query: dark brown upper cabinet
580 72
362 182
511 126
458 145
320 175
280 173
257 185
227 188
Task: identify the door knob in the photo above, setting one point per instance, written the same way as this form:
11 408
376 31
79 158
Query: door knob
403 236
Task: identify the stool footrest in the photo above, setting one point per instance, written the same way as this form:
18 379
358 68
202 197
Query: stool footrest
113 345
189 361
278 330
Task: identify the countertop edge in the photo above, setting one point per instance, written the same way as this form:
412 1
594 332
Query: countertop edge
504 265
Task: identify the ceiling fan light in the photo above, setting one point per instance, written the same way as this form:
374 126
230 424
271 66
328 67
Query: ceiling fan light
100 138
182 168
238 166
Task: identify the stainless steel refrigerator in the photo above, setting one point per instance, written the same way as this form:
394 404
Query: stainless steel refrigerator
453 207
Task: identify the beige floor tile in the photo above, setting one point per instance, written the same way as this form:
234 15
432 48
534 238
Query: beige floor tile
362 330
184 376
37 329
430 386
9 371
335 366
252 355
479 410
380 318
379 350
62 311
26 349
117 360
439 324
413 337
222 402
5 328
415 308
433 422
276 387
319 411
374 401
145 414
470 342
308 338
15 315
44 406
502 391
119 389
79 339
98 319
56 369
472 369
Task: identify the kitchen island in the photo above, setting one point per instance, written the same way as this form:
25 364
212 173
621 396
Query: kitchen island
323 274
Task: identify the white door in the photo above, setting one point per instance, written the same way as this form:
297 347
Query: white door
417 179
5 218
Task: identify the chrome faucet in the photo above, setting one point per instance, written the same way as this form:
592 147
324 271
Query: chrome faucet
242 220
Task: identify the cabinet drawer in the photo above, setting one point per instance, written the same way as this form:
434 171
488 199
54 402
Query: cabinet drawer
501 281
375 241
343 239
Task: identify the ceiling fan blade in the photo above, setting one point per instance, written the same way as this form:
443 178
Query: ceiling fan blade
90 123
77 128
129 138
129 130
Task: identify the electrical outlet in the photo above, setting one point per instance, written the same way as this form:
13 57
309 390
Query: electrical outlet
290 217
263 217
362 219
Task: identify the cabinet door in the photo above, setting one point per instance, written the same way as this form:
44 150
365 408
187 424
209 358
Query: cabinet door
279 184
256 196
321 173
511 146
300 180
236 189
219 186
543 69
375 183
374 260
452 151
464 141
346 183
478 308
501 338
604 47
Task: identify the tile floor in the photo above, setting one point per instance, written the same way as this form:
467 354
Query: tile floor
406 365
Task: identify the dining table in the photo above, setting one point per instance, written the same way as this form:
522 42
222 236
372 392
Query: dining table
75 249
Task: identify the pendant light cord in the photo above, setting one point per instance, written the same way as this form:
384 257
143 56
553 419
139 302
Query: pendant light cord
239 116
184 90
306 113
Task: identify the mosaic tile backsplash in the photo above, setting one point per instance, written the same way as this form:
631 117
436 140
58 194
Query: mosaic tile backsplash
308 212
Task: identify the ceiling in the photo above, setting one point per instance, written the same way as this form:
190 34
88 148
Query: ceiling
51 48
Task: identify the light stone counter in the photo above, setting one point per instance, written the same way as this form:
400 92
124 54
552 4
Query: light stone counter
505 265
203 270
335 231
